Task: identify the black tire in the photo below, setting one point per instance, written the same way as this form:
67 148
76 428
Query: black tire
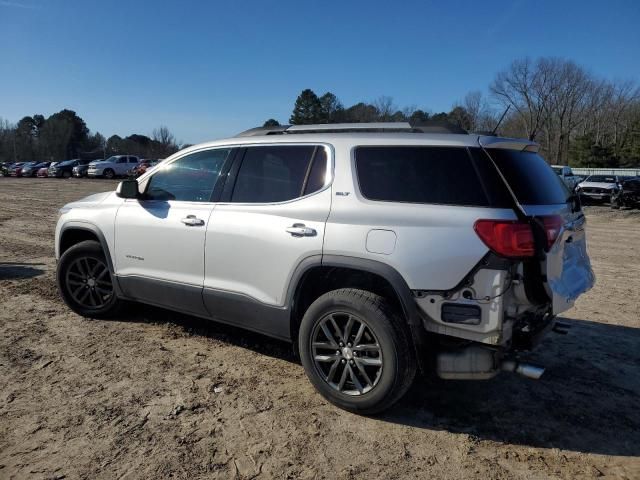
387 338
66 174
108 173
85 282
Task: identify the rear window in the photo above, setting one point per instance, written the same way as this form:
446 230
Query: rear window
530 177
435 175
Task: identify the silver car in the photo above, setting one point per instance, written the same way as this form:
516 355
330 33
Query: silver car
376 249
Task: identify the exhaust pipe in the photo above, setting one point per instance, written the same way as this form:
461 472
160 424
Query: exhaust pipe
525 369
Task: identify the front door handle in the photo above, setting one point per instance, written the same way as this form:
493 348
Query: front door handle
192 221
300 230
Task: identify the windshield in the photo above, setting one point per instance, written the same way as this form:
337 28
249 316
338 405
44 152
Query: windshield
530 177
601 179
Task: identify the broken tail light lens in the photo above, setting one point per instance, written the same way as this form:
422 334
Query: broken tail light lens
514 239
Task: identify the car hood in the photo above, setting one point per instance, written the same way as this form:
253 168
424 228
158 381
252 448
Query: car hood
94 199
598 185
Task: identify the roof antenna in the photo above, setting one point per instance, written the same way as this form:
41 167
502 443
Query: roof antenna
493 132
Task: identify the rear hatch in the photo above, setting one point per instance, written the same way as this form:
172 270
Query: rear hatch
564 268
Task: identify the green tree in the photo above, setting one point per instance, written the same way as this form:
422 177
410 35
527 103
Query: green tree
361 113
331 110
307 109
418 116
272 122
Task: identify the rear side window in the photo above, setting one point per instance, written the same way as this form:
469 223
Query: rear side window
279 173
191 178
532 180
438 175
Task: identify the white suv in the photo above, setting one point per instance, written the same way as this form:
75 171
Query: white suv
116 166
376 249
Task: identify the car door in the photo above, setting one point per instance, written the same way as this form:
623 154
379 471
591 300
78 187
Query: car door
160 238
273 214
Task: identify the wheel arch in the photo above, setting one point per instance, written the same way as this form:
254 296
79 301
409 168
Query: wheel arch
76 232
337 271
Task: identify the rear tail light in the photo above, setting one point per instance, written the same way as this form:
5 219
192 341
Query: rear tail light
512 238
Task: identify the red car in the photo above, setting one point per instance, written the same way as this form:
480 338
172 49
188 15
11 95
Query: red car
142 167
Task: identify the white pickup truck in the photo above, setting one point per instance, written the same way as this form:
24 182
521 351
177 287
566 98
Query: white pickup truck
567 176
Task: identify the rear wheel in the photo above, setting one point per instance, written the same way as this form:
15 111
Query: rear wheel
108 173
355 350
85 282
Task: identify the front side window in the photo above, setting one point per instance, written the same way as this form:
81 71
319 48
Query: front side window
191 178
279 173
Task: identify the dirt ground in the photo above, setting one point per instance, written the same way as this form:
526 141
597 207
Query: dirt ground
159 395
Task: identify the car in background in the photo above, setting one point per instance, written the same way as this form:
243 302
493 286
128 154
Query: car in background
142 167
4 169
598 187
32 169
116 166
80 170
63 169
628 195
16 169
566 175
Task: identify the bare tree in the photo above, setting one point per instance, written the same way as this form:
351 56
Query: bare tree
385 107
163 135
524 86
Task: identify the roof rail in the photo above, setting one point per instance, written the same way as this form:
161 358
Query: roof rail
426 127
252 132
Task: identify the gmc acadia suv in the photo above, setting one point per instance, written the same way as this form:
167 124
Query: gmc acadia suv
377 249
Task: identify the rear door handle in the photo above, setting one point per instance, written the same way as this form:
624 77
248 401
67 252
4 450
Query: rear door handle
301 230
192 221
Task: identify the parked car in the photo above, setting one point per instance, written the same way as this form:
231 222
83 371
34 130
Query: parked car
567 176
628 195
4 169
598 187
142 167
16 169
63 169
375 253
81 169
31 170
116 166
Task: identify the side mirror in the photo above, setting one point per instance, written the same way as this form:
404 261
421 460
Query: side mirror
128 189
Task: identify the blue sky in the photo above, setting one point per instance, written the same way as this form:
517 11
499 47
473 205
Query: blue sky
210 69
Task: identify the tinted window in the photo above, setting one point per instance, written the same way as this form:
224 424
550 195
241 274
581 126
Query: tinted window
133 160
441 175
532 180
318 172
191 178
272 174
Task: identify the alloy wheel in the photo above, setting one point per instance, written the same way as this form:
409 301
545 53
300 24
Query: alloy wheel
346 353
88 281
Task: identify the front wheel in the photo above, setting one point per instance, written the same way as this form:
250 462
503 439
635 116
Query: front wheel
355 350
109 174
85 282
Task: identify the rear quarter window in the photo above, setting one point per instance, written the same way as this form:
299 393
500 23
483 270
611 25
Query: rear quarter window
420 174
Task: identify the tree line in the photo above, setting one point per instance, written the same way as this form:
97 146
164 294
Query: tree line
64 135
577 118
